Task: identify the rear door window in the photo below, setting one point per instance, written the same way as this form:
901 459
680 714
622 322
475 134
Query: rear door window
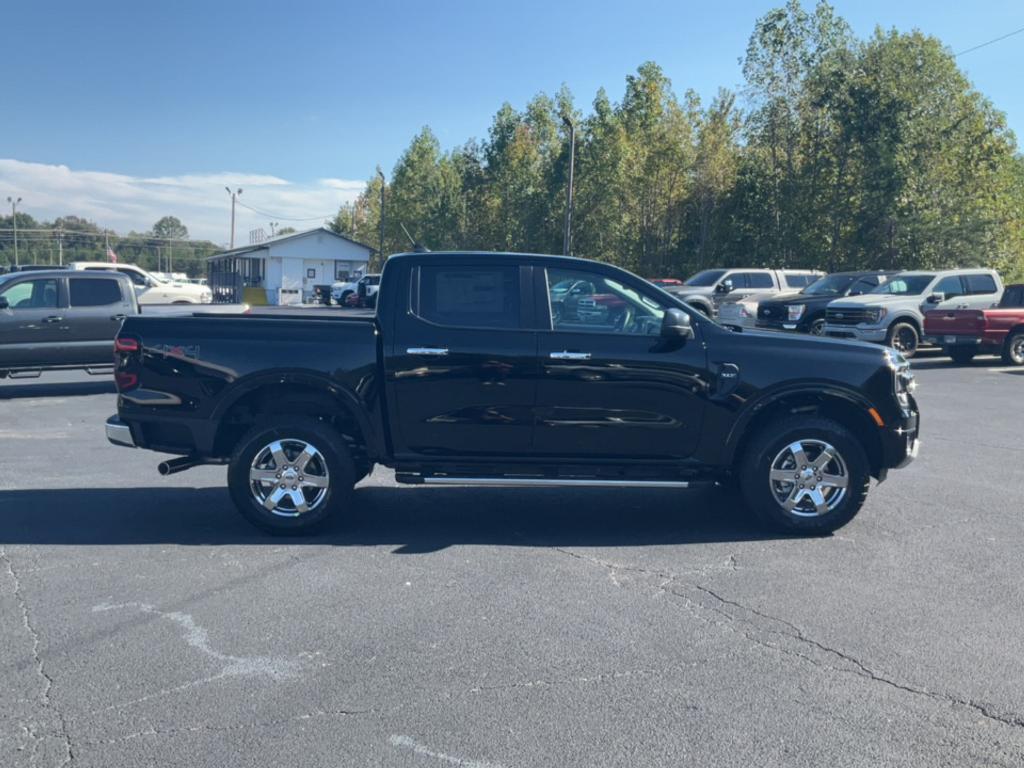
468 297
980 284
86 292
799 281
755 280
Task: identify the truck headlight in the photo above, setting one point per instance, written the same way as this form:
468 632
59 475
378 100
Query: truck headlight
904 383
796 311
876 314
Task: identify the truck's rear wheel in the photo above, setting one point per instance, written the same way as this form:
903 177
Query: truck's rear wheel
805 475
288 476
1013 352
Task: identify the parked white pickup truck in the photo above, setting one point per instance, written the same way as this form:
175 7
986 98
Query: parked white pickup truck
151 289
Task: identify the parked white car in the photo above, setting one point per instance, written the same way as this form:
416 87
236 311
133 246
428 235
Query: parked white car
151 289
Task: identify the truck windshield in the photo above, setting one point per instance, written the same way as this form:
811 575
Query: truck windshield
830 285
905 285
706 278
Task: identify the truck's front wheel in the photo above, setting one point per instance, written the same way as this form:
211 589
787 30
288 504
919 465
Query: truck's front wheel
805 475
288 476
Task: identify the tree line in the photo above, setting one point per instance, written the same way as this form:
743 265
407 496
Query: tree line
165 247
837 153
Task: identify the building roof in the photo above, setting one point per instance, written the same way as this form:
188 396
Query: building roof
266 244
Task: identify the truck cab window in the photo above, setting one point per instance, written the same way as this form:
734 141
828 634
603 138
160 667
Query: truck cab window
84 292
31 294
605 306
470 296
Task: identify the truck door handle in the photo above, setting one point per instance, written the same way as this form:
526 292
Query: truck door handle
570 355
118 317
53 319
434 351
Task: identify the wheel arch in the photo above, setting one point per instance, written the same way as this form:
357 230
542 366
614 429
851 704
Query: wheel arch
294 393
844 406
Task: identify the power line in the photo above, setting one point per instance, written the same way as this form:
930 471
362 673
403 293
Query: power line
989 42
279 216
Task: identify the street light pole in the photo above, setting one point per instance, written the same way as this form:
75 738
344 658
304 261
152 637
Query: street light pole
567 238
234 197
14 220
380 250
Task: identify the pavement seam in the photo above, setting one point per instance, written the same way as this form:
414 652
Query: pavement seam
47 681
859 668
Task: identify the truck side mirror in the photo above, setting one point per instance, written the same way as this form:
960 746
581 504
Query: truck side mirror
936 298
724 287
676 325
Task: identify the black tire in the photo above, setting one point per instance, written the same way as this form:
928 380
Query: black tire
702 308
1013 350
817 327
960 355
771 447
333 453
904 338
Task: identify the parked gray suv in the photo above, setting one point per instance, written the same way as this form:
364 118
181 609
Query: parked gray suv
893 313
57 319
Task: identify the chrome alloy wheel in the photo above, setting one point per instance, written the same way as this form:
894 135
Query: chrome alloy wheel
808 478
289 478
1017 350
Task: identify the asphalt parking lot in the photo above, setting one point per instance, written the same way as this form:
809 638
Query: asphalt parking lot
145 623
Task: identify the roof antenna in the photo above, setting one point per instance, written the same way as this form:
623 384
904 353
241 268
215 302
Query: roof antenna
416 247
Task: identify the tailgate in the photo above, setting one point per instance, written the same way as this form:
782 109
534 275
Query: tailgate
954 322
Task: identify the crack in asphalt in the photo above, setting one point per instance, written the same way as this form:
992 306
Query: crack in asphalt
47 681
856 666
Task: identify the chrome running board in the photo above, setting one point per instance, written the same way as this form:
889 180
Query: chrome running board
552 482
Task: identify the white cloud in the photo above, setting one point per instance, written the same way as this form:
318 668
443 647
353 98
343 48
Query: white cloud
124 203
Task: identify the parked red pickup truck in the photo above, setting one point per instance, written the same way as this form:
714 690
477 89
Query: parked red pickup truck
964 333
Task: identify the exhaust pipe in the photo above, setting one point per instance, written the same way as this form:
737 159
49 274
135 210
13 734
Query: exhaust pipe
180 464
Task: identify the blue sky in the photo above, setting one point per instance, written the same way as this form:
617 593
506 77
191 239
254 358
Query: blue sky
302 100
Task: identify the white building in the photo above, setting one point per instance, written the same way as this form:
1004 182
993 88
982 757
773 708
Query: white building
286 270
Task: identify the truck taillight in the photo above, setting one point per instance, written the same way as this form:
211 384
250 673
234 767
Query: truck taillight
126 344
125 381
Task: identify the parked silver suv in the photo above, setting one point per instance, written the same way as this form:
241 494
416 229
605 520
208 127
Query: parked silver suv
707 290
893 313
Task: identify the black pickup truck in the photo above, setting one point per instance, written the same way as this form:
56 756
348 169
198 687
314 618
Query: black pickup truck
469 374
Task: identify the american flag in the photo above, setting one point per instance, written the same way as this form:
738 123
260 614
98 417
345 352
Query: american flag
111 256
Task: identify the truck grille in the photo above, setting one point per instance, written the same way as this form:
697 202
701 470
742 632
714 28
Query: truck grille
771 312
841 316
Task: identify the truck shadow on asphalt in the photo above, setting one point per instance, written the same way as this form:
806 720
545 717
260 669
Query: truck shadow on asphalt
104 386
413 520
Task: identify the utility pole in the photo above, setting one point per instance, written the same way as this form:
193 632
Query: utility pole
567 238
14 220
234 197
60 244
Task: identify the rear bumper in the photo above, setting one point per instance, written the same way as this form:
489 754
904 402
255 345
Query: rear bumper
120 433
958 340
